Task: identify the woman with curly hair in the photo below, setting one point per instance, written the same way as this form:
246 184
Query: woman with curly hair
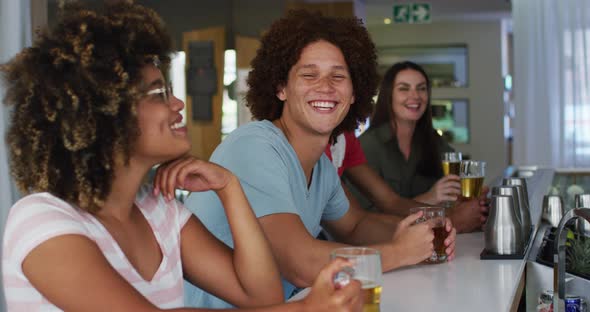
312 78
92 115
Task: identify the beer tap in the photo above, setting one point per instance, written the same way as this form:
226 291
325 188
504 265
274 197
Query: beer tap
559 257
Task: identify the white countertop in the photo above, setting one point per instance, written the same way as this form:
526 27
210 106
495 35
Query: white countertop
464 284
467 283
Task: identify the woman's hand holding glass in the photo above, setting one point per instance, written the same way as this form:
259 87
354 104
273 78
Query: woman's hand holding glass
446 189
451 165
365 267
470 211
325 296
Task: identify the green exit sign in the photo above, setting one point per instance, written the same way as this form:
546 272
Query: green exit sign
411 13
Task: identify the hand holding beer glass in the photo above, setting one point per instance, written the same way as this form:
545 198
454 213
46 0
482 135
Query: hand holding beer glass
436 217
366 269
451 164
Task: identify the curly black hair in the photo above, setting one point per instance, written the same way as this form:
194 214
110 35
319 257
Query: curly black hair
74 94
281 48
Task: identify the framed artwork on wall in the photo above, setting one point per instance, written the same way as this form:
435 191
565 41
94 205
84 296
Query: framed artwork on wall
446 65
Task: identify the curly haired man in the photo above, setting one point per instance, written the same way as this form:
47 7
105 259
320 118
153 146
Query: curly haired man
313 78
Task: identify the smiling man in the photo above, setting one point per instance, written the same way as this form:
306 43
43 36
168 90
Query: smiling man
313 78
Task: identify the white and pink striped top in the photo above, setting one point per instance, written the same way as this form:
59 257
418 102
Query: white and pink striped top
39 217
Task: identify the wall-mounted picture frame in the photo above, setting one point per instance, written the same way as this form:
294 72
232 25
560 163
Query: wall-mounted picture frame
446 65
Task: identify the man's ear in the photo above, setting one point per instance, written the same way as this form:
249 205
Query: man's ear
352 100
281 94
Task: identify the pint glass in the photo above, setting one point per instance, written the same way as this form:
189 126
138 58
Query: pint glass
367 270
472 176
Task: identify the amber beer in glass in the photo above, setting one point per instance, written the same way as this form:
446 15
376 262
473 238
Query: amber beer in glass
372 296
451 167
451 163
367 270
471 186
436 216
472 176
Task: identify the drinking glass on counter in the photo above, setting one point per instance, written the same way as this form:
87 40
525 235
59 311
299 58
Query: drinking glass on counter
366 269
436 216
472 174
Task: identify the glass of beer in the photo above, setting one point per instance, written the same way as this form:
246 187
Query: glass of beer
435 216
366 269
451 163
472 175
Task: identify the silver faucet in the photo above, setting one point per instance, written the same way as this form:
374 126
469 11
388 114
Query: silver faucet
559 257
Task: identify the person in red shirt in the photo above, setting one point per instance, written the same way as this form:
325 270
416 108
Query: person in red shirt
346 152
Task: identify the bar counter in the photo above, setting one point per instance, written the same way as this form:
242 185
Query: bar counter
466 283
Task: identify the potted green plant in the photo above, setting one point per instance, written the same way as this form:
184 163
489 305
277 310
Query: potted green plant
578 256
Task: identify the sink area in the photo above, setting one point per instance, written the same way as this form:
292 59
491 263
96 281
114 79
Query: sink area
540 272
539 265
559 256
546 248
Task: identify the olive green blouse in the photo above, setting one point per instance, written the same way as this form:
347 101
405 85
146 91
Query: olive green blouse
385 157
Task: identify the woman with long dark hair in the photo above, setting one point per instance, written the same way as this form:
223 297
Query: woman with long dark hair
404 149
402 144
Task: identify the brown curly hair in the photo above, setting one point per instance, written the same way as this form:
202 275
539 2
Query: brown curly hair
74 94
281 48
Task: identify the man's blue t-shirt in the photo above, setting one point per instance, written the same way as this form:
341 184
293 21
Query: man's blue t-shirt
271 175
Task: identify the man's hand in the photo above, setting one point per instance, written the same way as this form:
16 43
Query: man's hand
450 240
413 243
484 203
468 216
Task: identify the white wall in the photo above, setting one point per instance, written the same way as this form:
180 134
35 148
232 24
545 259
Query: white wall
485 84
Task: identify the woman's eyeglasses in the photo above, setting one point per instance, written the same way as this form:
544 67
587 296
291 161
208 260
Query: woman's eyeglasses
165 92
